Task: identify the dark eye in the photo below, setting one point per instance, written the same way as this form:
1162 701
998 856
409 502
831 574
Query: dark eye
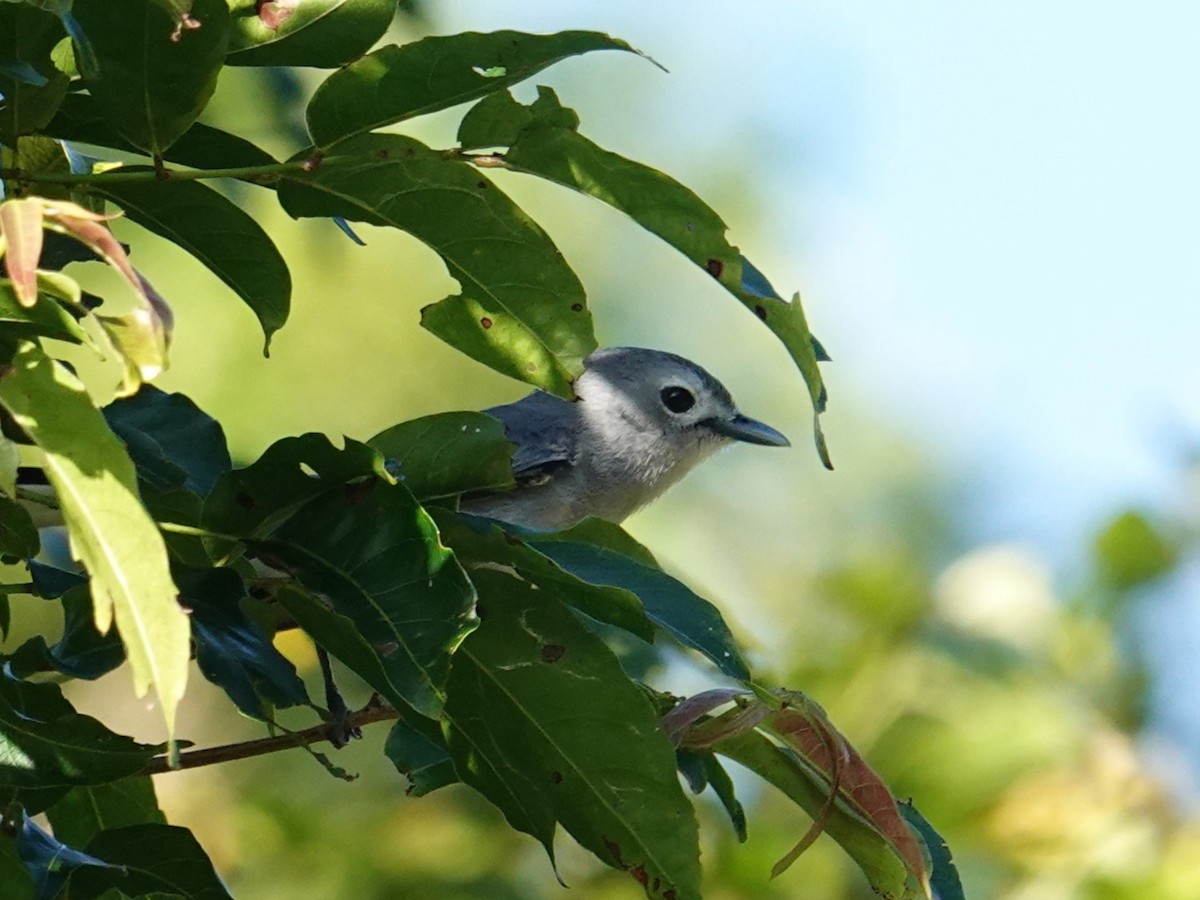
677 399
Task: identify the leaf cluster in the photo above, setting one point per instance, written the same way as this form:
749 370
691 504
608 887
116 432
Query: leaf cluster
503 658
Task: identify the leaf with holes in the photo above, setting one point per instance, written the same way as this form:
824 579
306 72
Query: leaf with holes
448 453
521 311
152 78
374 553
542 140
397 83
543 721
320 33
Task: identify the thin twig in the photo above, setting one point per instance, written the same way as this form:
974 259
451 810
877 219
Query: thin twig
375 711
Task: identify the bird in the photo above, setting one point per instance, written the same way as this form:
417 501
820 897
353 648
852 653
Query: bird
641 420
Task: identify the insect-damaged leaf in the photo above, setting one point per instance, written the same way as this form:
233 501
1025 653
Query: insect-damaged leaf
521 311
320 33
542 140
152 79
375 555
543 721
396 83
110 531
447 454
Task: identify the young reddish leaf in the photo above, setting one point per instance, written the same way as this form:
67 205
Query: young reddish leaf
740 720
688 711
803 726
21 231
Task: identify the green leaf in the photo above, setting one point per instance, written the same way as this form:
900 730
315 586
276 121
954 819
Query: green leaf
10 461
202 146
339 636
479 542
46 747
669 603
172 442
522 310
1133 550
153 79
448 453
542 141
944 879
18 536
152 858
543 721
418 749
211 228
320 33
49 861
86 811
15 878
397 83
46 319
110 531
31 85
232 652
375 555
81 652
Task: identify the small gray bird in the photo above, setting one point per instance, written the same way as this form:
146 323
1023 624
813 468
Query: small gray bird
643 419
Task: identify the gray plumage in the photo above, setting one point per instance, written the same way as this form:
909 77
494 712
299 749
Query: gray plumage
642 420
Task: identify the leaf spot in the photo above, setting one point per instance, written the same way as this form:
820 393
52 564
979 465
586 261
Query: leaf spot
640 876
245 501
577 307
556 777
553 652
486 323
614 850
387 649
761 312
714 267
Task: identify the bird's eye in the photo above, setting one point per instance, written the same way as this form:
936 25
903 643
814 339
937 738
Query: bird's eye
677 399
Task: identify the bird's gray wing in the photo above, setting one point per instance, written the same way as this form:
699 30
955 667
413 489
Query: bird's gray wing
543 427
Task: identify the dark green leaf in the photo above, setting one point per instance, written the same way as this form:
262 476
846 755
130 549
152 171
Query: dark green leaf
44 319
50 582
86 811
152 858
232 652
944 879
321 33
481 542
338 635
418 750
48 860
31 85
152 79
251 501
543 722
15 878
375 554
203 147
722 785
447 454
542 141
396 83
46 747
211 228
522 309
110 531
173 443
18 536
81 652
669 603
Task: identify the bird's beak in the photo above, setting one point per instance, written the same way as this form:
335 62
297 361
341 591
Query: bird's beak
752 431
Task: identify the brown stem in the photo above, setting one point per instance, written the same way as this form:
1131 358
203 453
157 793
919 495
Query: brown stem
374 711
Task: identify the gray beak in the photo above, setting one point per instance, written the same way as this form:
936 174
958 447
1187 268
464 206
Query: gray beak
752 431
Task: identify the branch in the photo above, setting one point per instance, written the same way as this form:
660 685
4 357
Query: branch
374 711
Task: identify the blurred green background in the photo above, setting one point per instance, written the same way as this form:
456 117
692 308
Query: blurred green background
969 595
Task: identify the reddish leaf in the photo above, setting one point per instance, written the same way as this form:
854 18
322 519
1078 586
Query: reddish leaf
687 712
803 726
21 230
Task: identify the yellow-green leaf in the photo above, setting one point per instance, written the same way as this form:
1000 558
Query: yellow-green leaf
111 532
